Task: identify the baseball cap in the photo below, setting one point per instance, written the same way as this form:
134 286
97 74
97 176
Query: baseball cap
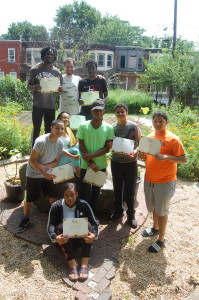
98 104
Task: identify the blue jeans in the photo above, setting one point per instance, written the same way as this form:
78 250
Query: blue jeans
66 160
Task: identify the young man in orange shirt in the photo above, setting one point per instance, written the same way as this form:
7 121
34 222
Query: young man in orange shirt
160 178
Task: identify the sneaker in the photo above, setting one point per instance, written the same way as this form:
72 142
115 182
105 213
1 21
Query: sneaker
22 226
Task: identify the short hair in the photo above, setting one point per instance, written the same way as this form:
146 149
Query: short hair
70 186
121 105
91 61
69 59
61 113
55 122
45 50
160 113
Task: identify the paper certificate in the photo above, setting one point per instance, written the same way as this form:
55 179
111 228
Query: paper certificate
95 178
49 85
63 173
149 145
76 120
123 146
75 227
89 97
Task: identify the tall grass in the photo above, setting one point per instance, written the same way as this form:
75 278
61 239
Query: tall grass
133 99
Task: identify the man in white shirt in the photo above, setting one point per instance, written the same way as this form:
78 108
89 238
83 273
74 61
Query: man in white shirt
69 99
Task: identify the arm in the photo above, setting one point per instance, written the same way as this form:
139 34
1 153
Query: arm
174 159
105 97
67 154
51 226
40 167
87 157
33 86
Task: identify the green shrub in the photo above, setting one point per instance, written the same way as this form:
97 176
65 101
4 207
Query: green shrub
13 90
15 137
133 99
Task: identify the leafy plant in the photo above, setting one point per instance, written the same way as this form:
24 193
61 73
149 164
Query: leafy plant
13 90
133 99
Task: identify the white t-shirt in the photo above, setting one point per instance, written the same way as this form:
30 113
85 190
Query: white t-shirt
69 98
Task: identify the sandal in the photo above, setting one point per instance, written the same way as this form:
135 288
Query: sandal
157 246
83 270
72 272
149 232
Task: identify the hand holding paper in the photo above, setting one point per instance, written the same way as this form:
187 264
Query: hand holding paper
50 85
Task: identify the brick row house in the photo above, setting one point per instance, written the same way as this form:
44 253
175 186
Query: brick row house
17 57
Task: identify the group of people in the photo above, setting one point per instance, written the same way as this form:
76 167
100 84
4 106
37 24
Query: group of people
88 149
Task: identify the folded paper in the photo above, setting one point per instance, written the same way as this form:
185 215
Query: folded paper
95 178
149 145
75 227
122 145
49 85
76 120
62 173
89 97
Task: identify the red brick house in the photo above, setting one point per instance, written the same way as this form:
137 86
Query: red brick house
10 58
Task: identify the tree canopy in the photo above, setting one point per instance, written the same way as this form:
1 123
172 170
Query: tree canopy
26 31
178 73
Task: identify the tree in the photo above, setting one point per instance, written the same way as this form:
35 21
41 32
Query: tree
179 74
26 31
113 31
75 22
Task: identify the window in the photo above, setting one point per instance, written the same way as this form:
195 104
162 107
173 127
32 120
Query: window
11 55
140 67
14 74
37 57
28 57
110 60
132 62
122 61
100 60
1 74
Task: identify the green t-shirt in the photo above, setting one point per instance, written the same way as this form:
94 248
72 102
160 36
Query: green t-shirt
94 140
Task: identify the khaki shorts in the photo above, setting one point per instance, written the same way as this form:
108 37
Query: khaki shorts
158 196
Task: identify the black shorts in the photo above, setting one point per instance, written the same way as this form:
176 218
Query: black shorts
34 187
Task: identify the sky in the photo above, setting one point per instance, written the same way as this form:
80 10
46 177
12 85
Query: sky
155 16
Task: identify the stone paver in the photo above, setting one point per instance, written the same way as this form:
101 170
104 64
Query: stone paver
105 250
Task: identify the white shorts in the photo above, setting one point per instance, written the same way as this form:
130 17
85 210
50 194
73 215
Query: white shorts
158 196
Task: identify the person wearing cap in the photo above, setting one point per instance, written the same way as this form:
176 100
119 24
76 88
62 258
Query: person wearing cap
94 137
90 84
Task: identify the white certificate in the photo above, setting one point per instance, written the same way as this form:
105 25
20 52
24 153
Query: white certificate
49 85
89 97
76 120
95 178
75 227
123 146
63 173
149 145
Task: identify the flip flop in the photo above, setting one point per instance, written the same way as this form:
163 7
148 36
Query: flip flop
149 232
157 246
83 270
73 271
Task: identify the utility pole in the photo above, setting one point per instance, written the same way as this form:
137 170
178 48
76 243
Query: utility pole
174 27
